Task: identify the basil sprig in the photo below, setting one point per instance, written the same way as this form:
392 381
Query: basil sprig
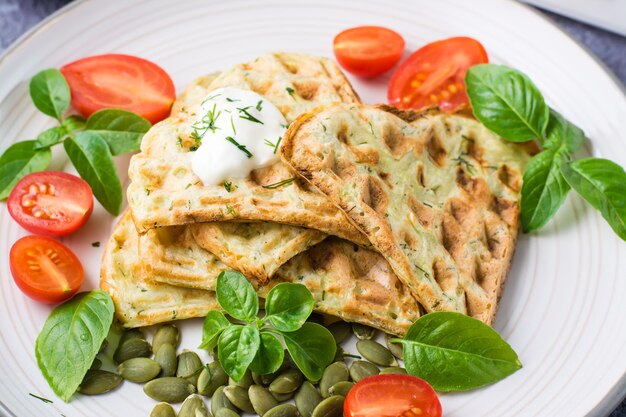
253 343
90 144
508 103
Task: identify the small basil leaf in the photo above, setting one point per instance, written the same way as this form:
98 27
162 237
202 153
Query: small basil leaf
121 129
18 160
288 306
71 338
507 102
73 123
544 189
50 92
312 348
237 296
214 324
50 137
91 156
603 184
236 349
454 352
561 131
269 357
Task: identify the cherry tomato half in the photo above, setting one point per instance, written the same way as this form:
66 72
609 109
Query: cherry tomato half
368 51
44 269
120 81
51 203
392 395
435 75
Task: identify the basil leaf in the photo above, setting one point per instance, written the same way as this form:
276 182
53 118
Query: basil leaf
91 156
214 324
544 189
71 338
18 160
50 137
288 306
312 348
269 357
603 184
237 296
121 129
560 132
454 352
236 348
507 102
73 123
50 92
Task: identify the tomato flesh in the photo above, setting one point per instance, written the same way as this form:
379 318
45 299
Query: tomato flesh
435 75
368 51
44 269
51 203
392 395
120 81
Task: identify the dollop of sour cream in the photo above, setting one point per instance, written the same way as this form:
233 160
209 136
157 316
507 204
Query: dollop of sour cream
238 131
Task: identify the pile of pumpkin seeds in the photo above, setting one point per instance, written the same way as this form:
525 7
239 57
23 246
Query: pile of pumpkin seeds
170 378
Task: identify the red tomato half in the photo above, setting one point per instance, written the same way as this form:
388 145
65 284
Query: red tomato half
51 203
435 75
392 395
367 51
120 81
44 269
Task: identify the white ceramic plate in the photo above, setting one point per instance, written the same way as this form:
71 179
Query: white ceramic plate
564 307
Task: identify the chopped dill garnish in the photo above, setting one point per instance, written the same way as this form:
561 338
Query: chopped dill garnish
323 126
426 204
371 128
193 148
290 91
274 145
211 98
228 185
241 147
280 183
462 161
230 100
95 244
45 400
259 105
285 126
148 191
232 123
247 116
202 126
230 210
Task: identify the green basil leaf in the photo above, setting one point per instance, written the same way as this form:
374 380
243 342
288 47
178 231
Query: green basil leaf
50 137
312 348
454 352
214 324
71 338
560 132
18 160
603 184
288 305
237 296
91 156
507 102
121 129
544 189
73 123
236 349
269 357
50 92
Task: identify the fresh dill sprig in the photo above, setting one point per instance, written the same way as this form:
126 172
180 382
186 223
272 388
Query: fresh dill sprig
247 116
232 123
280 183
259 105
202 126
241 147
231 100
274 145
210 98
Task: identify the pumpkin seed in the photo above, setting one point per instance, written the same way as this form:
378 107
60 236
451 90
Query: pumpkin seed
131 334
287 382
258 380
341 388
330 407
284 410
316 318
376 353
362 331
226 412
169 389
189 366
245 382
193 406
132 348
139 369
211 379
163 410
167 333
362 369
393 370
261 399
98 382
104 345
281 398
340 331
333 373
166 358
395 348
220 401
307 398
238 396
96 364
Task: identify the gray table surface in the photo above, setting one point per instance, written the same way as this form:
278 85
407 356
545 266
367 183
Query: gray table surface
17 16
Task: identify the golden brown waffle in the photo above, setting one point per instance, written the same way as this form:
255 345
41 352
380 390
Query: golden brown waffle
436 194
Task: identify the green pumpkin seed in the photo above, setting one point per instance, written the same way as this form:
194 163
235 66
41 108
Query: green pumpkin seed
307 398
393 370
284 410
167 359
238 396
189 366
193 406
287 382
362 332
167 333
335 372
340 331
341 388
281 398
261 399
139 369
163 410
98 382
211 379
131 334
169 389
96 364
104 345
395 348
330 407
132 348
245 382
362 369
376 353
316 318
220 401
226 412
258 379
